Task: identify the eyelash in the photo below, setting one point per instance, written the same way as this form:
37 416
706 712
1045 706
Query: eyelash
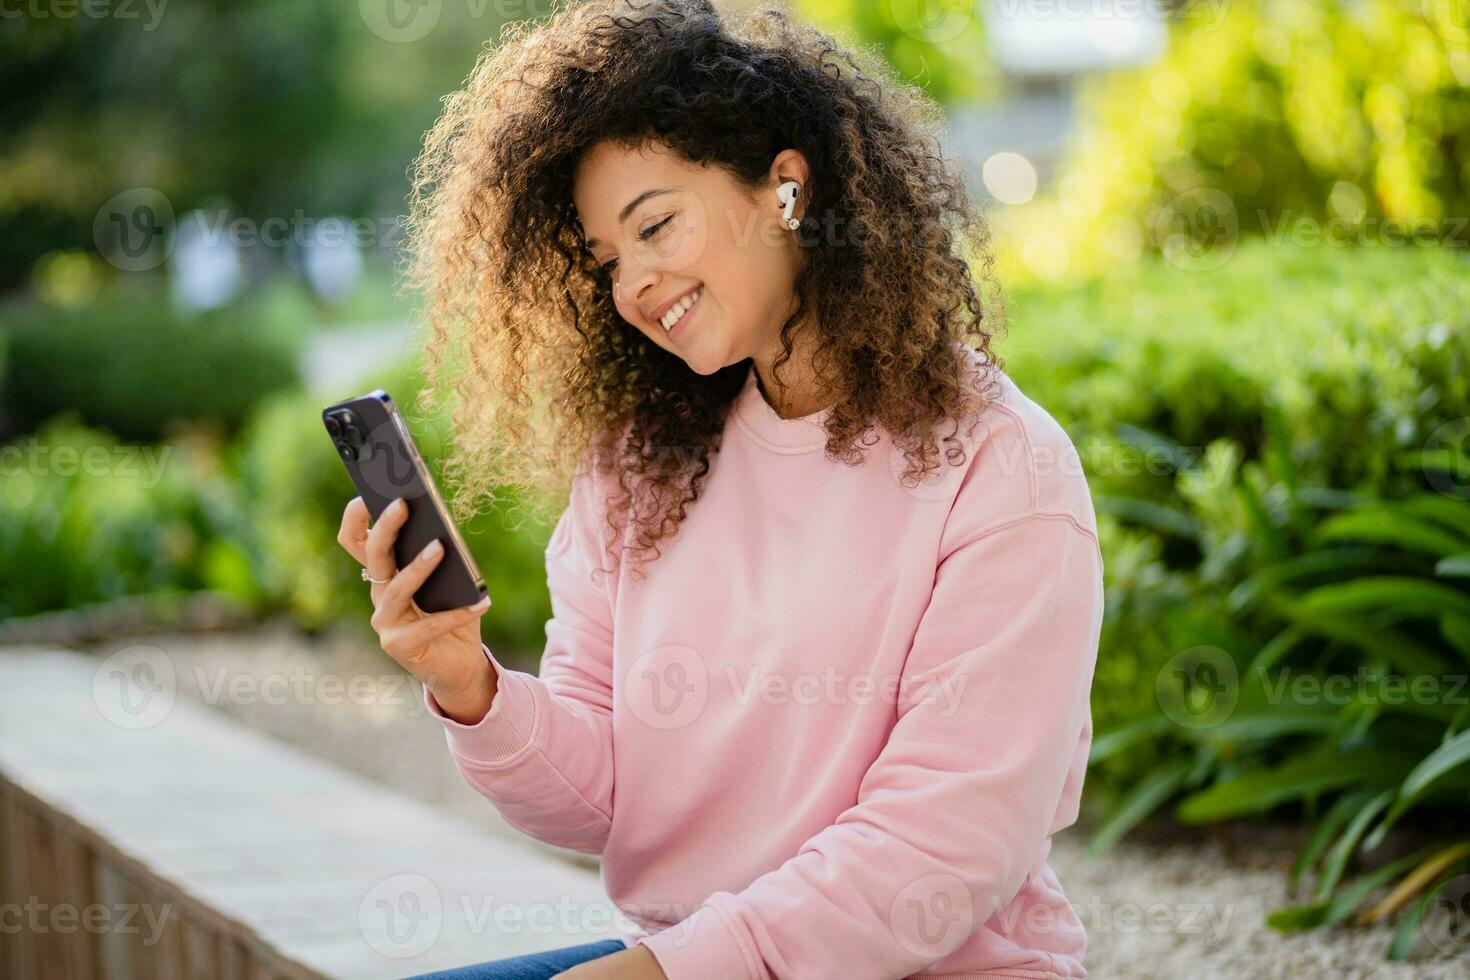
643 236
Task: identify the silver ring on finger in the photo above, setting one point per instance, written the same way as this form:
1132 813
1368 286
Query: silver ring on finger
376 581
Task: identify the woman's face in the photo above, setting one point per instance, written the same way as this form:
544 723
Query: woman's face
673 231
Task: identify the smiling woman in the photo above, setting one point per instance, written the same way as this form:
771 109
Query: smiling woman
726 266
601 167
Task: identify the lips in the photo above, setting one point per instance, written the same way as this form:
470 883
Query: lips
676 307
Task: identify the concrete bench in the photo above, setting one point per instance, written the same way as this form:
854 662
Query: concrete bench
145 836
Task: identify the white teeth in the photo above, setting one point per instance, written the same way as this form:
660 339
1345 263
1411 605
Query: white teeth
676 312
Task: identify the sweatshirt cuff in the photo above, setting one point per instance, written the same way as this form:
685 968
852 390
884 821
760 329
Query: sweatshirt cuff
704 945
506 728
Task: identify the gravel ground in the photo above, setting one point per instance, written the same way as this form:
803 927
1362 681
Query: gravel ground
1166 903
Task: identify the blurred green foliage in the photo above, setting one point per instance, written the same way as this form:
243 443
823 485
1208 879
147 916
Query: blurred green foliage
1347 119
130 364
1362 355
1277 454
272 108
939 46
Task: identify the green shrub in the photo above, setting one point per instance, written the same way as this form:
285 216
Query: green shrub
1263 114
134 366
84 519
1303 416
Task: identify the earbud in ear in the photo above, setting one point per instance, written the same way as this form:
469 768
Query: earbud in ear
787 194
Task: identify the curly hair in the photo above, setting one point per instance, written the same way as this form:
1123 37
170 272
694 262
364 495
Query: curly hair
521 319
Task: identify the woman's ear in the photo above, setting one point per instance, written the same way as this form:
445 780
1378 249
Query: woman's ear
787 165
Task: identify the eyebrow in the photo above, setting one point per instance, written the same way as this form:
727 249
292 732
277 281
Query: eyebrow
628 208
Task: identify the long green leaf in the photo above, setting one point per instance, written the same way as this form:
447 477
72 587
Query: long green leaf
1408 927
1384 526
1141 801
1118 739
1446 511
1349 897
1267 535
1325 830
1407 655
1312 563
1258 790
1152 515
1342 851
1395 592
1453 753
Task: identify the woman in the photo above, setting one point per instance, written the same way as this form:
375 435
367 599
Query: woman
816 691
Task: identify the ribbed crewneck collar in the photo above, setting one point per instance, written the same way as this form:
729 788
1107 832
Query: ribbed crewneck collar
783 435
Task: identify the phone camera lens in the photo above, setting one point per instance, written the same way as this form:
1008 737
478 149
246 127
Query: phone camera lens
334 428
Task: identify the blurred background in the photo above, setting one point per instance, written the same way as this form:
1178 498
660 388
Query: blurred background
1231 239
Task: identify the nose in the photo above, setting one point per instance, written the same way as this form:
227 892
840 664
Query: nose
636 280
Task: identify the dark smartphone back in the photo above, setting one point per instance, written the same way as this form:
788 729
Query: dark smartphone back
379 452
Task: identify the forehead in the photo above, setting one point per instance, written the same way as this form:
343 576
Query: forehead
611 174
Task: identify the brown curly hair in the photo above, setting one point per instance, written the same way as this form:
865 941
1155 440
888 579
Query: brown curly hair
522 321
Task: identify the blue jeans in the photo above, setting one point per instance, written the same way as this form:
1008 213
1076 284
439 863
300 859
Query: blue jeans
535 966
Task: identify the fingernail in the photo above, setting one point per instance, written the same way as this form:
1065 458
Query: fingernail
399 504
431 550
484 603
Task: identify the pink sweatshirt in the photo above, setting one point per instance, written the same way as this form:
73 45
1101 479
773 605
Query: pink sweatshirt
831 734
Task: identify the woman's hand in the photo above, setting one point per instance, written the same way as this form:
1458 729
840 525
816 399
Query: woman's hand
633 963
442 650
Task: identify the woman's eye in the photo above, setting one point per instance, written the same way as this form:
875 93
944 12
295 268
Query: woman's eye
652 230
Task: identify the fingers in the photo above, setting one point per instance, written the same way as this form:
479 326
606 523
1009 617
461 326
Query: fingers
393 602
353 534
380 562
401 640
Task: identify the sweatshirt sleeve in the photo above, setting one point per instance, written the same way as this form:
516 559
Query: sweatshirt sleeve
956 811
543 752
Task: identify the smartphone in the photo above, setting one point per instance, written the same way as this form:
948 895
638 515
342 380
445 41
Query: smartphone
384 464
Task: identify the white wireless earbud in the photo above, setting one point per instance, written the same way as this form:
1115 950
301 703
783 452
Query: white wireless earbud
787 194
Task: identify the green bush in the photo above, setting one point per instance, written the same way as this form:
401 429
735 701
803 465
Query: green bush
134 366
1277 454
1350 115
84 519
